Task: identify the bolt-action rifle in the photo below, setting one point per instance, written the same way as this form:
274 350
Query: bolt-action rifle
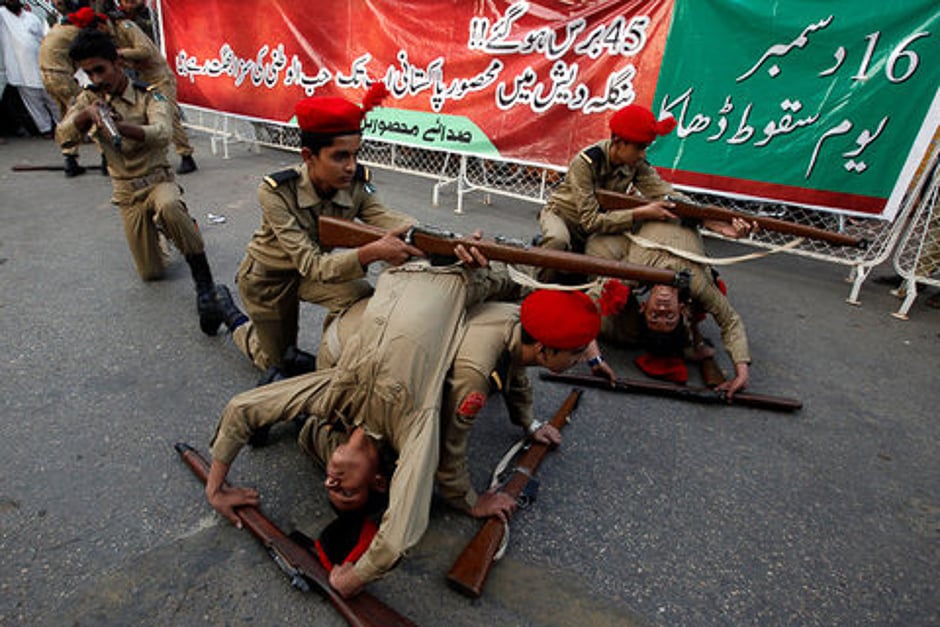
303 568
469 572
349 234
610 201
673 390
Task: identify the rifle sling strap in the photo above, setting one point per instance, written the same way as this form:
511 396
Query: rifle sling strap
710 261
495 480
525 280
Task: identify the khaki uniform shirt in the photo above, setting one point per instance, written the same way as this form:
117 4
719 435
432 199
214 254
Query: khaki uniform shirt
575 201
487 362
144 20
141 53
54 49
703 288
134 161
288 239
389 382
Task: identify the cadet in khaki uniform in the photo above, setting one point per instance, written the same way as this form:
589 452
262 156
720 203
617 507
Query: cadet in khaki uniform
143 184
491 360
58 75
285 263
385 392
665 311
139 12
572 218
143 56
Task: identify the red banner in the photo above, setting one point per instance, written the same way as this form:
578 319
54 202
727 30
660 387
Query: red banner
528 81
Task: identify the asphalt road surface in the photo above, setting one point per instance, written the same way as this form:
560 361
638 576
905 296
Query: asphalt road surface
653 511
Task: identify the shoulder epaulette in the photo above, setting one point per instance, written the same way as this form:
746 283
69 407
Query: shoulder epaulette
593 155
281 177
500 372
363 173
153 90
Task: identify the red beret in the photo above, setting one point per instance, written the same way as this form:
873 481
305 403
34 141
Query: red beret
668 368
638 124
614 297
85 17
560 320
337 116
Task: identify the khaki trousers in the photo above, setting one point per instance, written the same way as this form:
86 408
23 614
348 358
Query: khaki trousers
62 88
272 302
153 209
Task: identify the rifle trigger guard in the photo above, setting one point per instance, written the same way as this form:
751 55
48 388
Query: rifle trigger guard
528 494
409 236
296 578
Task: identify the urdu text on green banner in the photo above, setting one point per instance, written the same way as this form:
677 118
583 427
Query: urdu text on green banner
826 104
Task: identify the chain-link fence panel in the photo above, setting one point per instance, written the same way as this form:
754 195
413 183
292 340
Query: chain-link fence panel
469 174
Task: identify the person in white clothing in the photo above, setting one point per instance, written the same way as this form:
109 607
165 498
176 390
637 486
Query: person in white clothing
21 32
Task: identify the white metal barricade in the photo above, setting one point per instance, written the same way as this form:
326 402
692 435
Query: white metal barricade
917 257
467 174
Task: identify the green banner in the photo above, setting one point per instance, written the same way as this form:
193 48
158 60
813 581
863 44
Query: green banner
454 133
817 103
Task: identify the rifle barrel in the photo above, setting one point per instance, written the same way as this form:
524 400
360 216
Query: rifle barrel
26 167
614 200
682 392
362 610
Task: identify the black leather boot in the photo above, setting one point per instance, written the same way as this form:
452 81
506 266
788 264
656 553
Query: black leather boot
210 318
187 165
295 362
210 314
232 316
72 168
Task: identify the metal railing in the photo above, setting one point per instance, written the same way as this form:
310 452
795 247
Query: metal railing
529 183
917 257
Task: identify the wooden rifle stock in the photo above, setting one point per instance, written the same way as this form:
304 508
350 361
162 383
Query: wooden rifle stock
681 392
469 572
298 563
610 201
349 234
712 376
